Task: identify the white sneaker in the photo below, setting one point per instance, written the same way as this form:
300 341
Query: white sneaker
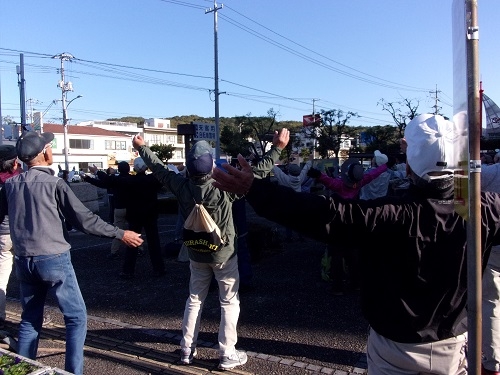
187 356
238 358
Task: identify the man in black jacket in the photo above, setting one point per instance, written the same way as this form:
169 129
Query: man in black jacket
414 276
136 206
142 213
120 197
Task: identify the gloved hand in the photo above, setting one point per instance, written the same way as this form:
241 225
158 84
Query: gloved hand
390 162
313 173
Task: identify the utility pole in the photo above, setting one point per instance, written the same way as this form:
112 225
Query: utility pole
436 100
314 129
216 78
32 101
21 82
65 87
314 101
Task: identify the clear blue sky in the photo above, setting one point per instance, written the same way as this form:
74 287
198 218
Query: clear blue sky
155 58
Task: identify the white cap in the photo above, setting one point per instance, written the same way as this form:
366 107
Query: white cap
431 144
380 158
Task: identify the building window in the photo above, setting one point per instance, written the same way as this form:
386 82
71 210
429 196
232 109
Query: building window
85 144
116 145
156 139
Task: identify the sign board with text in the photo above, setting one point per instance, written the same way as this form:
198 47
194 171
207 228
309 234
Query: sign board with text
204 131
311 120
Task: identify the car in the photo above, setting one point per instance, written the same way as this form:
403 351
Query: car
76 178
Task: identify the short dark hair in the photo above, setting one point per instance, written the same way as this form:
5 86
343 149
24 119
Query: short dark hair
7 165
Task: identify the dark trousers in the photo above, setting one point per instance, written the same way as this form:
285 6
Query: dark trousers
345 265
150 226
244 259
111 204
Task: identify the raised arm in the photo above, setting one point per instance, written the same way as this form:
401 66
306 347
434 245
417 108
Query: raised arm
264 166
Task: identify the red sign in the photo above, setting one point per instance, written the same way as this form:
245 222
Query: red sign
311 120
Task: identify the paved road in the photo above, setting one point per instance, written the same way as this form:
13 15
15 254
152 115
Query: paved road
289 323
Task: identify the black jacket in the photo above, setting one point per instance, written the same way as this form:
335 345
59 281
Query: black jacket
413 251
114 182
137 193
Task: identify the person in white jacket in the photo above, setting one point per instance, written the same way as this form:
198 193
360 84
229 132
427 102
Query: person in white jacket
295 177
379 186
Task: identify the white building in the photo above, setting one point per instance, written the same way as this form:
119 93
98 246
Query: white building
89 146
155 132
158 131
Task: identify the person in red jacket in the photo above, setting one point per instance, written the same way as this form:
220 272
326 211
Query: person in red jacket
348 185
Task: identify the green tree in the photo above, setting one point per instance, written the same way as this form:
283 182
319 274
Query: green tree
332 131
252 134
7 120
164 152
384 138
401 112
234 140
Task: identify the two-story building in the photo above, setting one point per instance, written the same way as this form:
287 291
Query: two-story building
89 146
154 131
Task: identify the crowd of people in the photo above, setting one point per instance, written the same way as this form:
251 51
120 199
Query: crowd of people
409 264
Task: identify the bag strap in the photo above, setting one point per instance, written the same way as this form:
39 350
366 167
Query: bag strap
194 198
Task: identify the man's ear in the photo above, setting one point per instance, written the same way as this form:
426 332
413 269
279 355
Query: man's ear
47 155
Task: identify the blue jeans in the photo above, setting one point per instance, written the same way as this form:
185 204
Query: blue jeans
54 274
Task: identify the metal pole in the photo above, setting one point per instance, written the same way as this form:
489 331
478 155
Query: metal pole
314 129
65 126
216 78
65 130
474 269
65 87
22 100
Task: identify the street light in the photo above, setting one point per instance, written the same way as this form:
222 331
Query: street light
65 127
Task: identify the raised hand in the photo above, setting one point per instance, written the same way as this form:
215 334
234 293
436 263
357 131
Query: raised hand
137 142
281 138
234 180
